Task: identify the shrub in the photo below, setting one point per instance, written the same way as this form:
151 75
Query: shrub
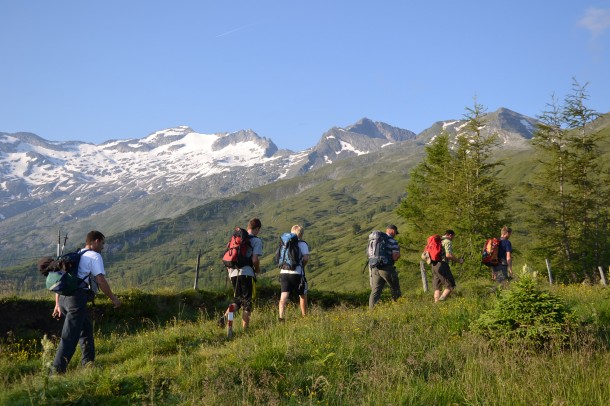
525 315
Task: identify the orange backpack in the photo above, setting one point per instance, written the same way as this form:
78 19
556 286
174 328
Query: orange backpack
489 255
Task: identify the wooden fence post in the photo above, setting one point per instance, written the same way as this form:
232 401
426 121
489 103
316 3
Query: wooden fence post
197 271
601 274
548 267
424 280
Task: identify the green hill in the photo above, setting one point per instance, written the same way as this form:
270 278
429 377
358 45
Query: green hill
338 205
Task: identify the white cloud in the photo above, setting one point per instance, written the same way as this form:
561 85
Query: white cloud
596 20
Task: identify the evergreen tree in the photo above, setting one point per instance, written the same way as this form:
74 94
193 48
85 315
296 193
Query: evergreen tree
570 192
478 197
428 190
457 188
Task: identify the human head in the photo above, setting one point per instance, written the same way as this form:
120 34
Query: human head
450 233
298 230
391 230
506 232
254 224
95 240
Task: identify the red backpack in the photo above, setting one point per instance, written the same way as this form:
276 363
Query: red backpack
434 248
489 254
237 249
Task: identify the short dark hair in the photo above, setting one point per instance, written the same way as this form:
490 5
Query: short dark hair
94 235
254 223
450 232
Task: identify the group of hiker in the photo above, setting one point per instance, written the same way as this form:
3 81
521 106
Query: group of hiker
242 260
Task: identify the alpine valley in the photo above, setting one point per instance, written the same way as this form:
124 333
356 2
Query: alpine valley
179 192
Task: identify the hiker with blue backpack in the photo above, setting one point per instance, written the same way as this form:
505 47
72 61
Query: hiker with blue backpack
292 255
383 251
77 326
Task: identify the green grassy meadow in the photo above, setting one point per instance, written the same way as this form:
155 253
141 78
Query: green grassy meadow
165 348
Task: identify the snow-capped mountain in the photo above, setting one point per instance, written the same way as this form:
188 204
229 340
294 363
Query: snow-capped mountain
122 184
165 173
513 130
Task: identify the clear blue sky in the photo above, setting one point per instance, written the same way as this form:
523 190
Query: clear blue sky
289 70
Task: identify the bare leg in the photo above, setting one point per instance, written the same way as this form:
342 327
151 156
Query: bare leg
446 293
283 301
245 319
303 303
437 295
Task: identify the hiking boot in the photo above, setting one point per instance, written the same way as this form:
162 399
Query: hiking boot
221 322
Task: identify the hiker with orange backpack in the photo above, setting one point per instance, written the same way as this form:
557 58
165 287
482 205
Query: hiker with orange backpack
503 271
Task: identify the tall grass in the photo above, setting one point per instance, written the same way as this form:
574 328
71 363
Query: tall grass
407 352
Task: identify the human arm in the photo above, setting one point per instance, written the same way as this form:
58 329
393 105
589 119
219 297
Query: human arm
256 263
449 256
509 261
57 309
395 255
105 287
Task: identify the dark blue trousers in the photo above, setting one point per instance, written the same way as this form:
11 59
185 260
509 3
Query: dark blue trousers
77 329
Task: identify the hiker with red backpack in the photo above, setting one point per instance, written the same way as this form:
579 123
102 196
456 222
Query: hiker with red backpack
441 270
503 271
244 273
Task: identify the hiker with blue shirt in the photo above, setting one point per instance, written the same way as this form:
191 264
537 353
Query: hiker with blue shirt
293 280
77 328
387 273
504 270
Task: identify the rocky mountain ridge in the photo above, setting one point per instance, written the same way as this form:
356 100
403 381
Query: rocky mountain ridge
121 184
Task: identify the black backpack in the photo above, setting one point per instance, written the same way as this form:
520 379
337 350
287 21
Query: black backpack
62 273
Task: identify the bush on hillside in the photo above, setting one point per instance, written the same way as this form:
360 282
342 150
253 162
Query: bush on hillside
527 316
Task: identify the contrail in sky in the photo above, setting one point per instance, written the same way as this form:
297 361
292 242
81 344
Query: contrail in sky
235 30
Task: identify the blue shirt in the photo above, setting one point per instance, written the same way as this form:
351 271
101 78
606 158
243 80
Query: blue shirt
505 246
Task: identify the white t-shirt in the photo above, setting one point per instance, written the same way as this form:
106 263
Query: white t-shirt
256 248
304 248
91 264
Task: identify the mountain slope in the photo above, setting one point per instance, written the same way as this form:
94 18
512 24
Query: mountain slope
122 185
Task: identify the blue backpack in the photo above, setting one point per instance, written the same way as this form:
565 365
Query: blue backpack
288 255
62 273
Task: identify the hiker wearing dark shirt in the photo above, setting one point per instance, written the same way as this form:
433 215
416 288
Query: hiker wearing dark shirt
504 270
388 273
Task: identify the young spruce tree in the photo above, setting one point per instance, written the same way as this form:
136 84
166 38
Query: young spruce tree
570 193
456 187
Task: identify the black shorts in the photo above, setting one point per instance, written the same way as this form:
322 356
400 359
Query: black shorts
242 288
291 282
442 276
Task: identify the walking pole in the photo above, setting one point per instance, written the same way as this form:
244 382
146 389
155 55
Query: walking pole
64 246
58 242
